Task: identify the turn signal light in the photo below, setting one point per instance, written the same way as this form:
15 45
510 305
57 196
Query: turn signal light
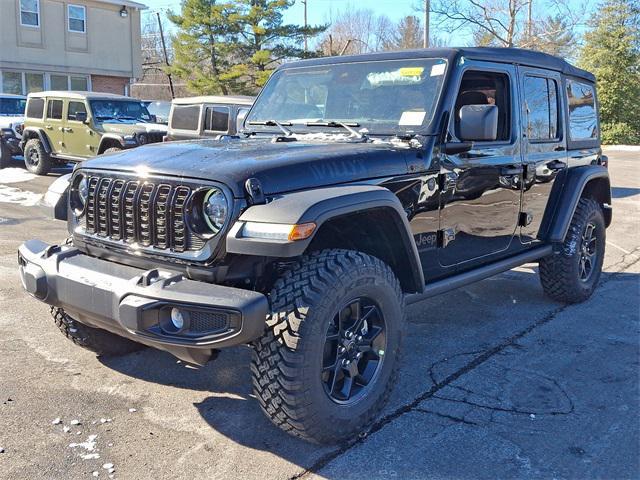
302 231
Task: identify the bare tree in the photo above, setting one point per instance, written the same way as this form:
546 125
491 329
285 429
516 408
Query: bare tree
356 31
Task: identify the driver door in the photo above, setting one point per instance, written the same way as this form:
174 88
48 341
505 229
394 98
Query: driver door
79 139
481 188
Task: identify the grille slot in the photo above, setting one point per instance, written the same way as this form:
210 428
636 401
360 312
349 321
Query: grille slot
144 213
208 322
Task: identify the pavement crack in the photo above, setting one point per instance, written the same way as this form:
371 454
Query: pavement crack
469 367
444 415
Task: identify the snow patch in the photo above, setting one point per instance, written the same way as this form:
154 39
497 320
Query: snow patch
15 175
21 197
622 148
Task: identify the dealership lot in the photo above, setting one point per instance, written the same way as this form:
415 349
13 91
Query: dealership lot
498 381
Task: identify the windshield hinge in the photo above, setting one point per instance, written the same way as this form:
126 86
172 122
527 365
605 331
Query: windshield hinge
255 192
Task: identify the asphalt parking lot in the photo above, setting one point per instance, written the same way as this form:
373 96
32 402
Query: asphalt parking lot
498 381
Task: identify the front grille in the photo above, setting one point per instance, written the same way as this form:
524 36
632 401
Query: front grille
147 213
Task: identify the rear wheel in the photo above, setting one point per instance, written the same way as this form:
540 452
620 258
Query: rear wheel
572 275
329 357
36 159
101 342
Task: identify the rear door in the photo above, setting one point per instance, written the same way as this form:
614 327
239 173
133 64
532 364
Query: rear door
54 124
481 189
543 144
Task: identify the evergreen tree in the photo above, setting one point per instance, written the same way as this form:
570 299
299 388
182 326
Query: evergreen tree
612 52
205 45
407 35
232 46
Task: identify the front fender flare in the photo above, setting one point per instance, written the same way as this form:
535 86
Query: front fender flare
318 206
111 136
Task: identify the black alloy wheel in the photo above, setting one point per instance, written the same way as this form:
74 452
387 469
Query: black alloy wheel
354 350
588 251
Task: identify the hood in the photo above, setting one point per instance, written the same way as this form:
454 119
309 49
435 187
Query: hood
123 128
280 167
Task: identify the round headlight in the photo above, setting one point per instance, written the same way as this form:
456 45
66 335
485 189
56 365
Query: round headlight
83 190
215 209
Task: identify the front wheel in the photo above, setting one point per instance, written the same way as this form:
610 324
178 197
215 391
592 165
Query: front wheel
329 357
572 275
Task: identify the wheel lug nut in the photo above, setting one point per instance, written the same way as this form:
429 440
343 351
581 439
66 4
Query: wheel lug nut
342 350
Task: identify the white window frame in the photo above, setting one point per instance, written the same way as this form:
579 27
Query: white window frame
37 12
47 79
84 20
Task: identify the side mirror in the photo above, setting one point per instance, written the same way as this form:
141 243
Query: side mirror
478 122
242 114
81 117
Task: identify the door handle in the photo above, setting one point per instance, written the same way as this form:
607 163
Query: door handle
559 148
556 165
48 127
511 170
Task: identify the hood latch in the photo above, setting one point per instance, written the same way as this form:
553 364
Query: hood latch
254 190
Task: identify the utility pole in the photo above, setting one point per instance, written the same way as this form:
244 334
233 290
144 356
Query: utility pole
427 7
166 58
304 2
529 23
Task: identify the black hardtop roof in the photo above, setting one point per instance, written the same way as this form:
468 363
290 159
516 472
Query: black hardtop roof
518 56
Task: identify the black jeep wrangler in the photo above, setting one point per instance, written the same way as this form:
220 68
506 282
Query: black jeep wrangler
359 185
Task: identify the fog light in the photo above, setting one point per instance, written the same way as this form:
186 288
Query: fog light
177 319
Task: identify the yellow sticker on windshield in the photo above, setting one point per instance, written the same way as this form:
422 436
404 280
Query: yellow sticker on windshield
411 71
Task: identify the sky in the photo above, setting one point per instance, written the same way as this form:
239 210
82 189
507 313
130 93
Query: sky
321 11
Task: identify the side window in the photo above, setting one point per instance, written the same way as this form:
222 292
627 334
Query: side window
54 109
541 99
35 108
74 109
216 119
185 117
486 88
583 122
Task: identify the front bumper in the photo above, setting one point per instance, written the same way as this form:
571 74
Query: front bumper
12 143
136 303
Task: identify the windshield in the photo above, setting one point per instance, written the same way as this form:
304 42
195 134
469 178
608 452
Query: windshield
385 97
12 106
120 110
160 110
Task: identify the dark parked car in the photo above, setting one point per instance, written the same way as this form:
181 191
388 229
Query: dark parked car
207 116
360 185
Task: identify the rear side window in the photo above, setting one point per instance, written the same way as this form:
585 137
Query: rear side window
185 117
583 122
216 119
74 109
35 108
541 99
54 109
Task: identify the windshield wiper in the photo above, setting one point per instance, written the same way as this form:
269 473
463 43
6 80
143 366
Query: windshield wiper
275 123
333 124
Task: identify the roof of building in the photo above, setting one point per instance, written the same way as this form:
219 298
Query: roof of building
225 99
492 54
77 94
126 3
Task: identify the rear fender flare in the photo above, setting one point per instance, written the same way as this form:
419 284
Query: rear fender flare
32 132
590 179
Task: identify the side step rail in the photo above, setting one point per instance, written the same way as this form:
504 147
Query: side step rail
486 271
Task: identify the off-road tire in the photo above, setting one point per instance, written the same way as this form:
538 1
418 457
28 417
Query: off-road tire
112 150
5 155
101 342
43 165
560 272
287 359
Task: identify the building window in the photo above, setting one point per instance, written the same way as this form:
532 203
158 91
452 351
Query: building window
30 13
79 83
12 82
77 18
58 82
34 82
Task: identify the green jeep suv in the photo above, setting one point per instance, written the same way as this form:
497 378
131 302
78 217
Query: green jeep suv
63 127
